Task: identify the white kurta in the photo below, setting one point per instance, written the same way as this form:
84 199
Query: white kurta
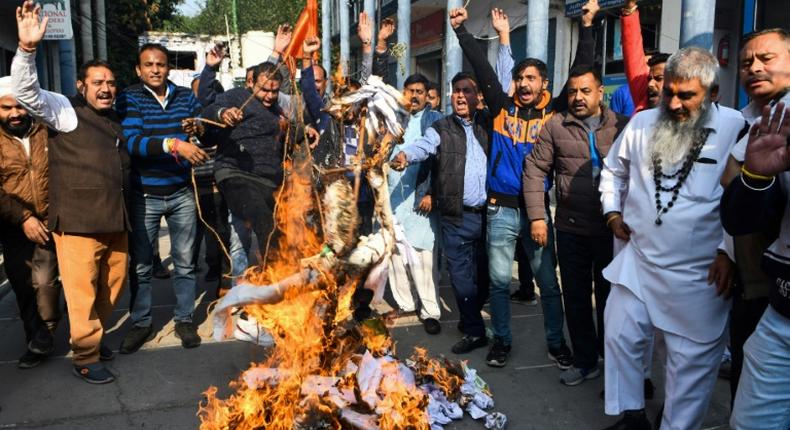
666 266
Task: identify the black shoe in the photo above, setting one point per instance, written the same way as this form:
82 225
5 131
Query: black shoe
43 343
431 325
561 356
650 389
497 355
632 420
187 332
469 343
212 275
94 373
30 360
528 299
160 271
105 353
135 338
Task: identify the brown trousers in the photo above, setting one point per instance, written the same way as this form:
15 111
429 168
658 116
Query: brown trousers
93 269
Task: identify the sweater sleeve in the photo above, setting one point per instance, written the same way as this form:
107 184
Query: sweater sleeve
744 210
137 143
495 97
537 165
310 94
208 86
381 65
636 69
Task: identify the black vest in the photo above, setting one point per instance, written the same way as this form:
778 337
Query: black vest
451 163
89 174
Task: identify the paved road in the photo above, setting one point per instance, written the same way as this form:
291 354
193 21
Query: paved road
160 386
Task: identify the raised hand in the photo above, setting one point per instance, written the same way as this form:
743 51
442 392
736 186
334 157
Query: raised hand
767 153
386 29
499 21
364 29
283 38
589 9
215 56
310 45
458 16
30 26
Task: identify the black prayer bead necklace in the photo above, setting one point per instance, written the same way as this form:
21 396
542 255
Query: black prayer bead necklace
680 176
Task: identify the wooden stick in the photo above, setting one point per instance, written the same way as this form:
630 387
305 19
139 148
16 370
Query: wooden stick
208 121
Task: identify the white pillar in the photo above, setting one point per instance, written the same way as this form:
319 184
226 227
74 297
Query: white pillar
453 57
538 29
404 38
696 24
101 30
86 30
326 37
370 9
344 30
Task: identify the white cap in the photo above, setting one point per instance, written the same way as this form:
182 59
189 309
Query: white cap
5 86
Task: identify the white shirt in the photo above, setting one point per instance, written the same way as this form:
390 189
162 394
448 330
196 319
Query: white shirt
666 265
53 109
753 115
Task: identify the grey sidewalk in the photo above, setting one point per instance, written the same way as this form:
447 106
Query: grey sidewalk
160 386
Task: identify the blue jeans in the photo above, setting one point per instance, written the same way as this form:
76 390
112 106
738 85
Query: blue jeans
146 213
240 243
462 246
505 225
763 399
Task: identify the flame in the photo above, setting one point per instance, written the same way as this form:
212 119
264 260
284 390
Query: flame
310 379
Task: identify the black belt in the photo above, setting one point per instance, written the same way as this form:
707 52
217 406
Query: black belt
474 209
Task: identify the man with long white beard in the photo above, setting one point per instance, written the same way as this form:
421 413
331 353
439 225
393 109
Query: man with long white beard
669 277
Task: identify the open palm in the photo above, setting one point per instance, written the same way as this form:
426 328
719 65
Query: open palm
767 152
30 26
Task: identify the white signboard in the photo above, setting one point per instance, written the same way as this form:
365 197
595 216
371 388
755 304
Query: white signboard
59 13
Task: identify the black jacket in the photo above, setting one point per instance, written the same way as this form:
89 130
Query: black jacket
450 164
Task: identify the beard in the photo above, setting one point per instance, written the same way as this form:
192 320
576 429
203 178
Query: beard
19 130
672 140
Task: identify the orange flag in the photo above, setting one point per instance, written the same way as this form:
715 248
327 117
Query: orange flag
306 26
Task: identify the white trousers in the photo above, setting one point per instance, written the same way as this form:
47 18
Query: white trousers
691 367
425 279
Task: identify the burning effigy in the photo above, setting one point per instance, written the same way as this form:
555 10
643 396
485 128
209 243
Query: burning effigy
328 369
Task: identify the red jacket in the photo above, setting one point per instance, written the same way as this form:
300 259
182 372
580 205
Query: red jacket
636 69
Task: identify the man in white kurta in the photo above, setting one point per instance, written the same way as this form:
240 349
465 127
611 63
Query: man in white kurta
660 279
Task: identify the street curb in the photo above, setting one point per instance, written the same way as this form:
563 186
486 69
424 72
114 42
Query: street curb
5 288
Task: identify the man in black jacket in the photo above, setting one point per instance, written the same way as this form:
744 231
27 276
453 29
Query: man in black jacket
760 195
248 164
460 143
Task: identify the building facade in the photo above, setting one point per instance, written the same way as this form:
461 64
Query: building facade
666 24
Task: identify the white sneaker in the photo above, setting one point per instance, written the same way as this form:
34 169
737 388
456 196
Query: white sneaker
248 330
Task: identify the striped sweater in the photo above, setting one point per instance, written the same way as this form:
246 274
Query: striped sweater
146 124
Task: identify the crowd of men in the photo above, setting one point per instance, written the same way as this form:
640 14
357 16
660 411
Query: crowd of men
645 188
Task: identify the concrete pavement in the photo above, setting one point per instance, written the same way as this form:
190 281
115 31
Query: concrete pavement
160 386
